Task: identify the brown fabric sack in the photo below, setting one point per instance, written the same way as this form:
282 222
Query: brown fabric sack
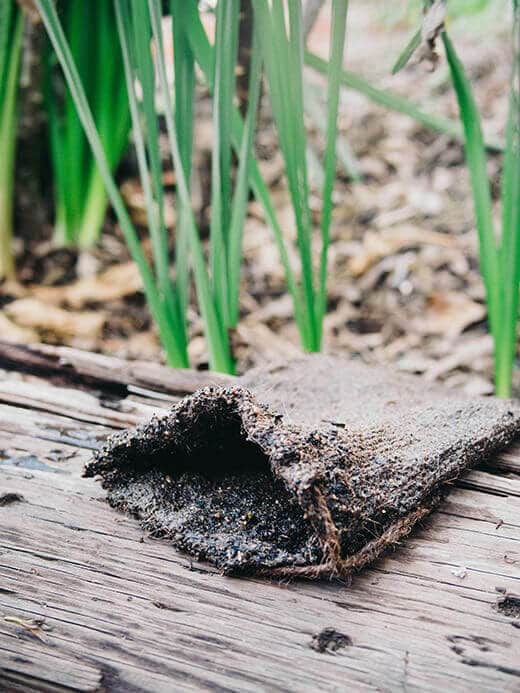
311 468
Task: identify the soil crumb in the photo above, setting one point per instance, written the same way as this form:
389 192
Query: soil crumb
509 606
10 498
329 640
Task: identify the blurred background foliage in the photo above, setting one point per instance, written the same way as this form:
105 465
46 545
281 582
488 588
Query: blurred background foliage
55 176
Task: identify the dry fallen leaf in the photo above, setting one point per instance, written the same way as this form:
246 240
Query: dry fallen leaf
448 314
14 333
466 353
377 245
116 282
141 345
30 312
263 344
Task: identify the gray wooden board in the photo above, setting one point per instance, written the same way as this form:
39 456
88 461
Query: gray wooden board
88 603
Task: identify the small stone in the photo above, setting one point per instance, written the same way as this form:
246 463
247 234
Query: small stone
460 573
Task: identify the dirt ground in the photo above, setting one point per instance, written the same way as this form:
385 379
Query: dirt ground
404 281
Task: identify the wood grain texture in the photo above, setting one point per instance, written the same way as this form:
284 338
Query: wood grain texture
88 603
87 368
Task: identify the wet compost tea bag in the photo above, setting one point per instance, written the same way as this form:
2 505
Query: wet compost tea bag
311 468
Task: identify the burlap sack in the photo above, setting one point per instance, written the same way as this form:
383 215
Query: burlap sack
311 469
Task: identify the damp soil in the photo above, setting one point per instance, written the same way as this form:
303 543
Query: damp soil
509 606
213 494
304 469
230 519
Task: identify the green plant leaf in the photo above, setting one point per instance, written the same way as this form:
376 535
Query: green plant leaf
396 103
477 165
54 29
219 353
240 198
338 32
510 241
10 55
226 46
184 70
410 48
283 59
203 53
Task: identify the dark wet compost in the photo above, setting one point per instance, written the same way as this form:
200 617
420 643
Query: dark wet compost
311 468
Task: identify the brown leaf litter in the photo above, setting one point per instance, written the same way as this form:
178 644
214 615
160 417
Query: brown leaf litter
38 315
115 282
403 241
312 468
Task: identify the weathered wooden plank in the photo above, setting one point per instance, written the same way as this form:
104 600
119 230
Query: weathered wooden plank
508 460
45 671
87 368
129 614
75 404
498 484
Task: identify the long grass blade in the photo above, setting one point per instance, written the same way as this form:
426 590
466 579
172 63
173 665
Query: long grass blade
54 29
476 157
112 116
240 198
220 356
510 243
283 65
80 198
134 37
410 48
74 143
399 104
7 8
184 70
338 30
10 62
203 53
226 33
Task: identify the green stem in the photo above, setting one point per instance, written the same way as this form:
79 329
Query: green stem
184 69
203 52
8 120
481 188
53 26
509 251
338 31
218 344
94 212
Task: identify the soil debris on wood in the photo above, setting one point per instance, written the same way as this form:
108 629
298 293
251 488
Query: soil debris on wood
311 468
10 498
509 606
329 640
